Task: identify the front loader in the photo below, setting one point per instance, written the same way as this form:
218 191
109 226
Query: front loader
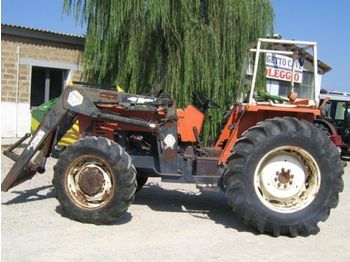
280 173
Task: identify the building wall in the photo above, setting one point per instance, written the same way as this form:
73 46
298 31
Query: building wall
19 54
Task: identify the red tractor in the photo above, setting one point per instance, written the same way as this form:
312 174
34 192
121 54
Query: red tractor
280 174
335 119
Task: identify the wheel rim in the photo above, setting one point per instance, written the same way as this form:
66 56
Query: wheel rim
89 182
287 179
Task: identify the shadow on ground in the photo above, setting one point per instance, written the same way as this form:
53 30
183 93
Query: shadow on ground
203 205
30 195
345 159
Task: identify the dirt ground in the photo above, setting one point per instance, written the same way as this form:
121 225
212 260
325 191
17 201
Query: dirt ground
166 222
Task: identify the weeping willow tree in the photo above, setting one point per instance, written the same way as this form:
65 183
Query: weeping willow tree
181 46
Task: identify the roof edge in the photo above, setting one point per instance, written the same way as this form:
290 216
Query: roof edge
28 32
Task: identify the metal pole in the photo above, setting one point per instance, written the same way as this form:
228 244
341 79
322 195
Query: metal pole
293 72
47 86
256 63
316 84
281 41
280 52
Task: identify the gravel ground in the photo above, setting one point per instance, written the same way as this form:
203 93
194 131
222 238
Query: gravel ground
166 222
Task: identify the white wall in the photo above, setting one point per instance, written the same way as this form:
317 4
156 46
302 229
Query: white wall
9 129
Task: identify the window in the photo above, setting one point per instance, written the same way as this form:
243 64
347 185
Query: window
304 89
46 83
307 86
337 110
285 88
342 111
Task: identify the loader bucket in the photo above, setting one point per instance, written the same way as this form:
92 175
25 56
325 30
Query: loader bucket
43 139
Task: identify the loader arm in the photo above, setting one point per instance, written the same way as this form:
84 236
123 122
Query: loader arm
78 99
24 169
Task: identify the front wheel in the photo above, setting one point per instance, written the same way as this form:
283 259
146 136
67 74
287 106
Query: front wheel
94 180
283 177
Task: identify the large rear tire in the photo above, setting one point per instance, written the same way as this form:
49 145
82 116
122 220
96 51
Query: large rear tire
283 177
94 180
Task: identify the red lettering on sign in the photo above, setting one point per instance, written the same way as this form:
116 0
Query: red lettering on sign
296 77
282 74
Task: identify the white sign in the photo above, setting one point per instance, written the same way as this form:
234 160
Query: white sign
75 98
169 141
280 67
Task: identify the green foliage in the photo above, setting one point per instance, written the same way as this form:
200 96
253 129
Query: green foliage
181 46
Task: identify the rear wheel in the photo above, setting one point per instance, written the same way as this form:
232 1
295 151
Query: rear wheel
283 177
323 128
94 180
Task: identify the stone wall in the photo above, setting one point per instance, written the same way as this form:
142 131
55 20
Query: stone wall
17 50
19 54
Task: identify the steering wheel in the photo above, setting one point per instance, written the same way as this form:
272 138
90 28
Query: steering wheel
203 102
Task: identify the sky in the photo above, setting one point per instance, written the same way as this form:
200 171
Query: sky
326 22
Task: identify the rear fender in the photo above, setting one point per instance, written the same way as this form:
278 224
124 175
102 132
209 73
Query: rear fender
247 116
